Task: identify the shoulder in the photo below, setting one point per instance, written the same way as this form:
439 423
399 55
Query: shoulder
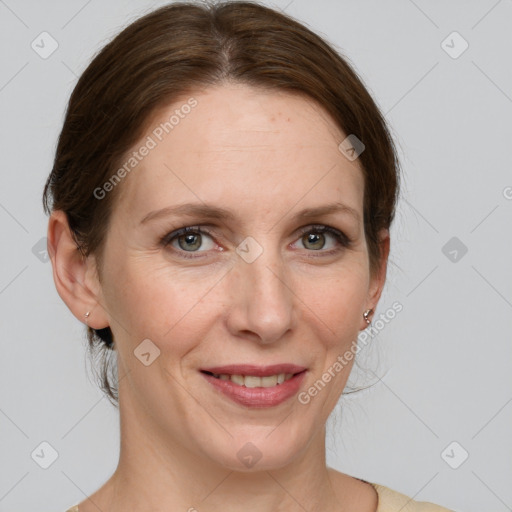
393 501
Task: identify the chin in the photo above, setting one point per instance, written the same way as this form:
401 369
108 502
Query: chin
258 452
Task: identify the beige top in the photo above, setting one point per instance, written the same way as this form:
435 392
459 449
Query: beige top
389 501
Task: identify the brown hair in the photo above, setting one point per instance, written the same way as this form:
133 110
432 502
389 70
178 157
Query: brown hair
184 47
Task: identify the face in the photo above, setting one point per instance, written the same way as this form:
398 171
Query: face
262 284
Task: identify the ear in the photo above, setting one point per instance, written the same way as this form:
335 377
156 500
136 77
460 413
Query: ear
75 276
379 280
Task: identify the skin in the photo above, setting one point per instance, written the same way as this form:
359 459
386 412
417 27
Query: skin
266 156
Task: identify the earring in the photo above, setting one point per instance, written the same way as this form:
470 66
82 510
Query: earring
87 316
365 314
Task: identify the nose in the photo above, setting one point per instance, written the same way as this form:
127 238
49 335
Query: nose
263 305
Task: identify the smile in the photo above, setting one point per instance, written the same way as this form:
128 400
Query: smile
256 391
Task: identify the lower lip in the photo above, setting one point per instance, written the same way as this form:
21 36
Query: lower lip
258 397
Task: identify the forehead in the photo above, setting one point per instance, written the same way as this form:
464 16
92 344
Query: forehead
240 145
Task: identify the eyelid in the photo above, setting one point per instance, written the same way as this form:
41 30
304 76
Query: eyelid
325 228
170 236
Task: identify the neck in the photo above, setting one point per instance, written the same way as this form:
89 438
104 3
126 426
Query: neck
150 476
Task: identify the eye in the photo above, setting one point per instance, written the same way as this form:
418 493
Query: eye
314 239
188 239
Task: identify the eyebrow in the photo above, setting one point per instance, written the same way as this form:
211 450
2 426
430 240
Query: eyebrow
216 212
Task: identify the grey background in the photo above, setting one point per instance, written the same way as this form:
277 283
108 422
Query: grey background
441 368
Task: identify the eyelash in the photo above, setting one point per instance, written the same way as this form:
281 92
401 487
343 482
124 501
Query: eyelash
343 239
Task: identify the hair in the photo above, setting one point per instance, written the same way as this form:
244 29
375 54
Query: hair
184 47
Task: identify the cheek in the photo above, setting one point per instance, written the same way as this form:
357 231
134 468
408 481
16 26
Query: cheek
335 301
153 300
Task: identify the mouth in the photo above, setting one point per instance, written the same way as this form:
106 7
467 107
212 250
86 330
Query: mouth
253 386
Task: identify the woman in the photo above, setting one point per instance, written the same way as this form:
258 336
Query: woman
220 204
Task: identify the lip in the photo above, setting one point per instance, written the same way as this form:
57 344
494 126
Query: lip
256 371
257 397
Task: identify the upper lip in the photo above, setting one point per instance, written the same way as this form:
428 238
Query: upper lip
257 371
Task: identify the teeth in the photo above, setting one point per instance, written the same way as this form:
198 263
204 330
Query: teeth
265 382
238 379
251 381
255 382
